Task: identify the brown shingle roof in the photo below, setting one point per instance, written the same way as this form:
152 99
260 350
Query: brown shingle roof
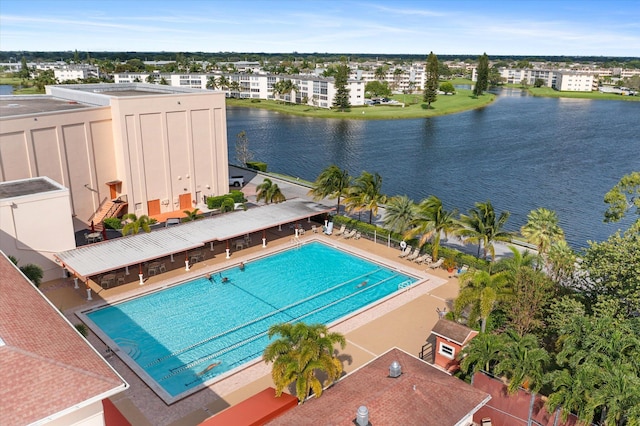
453 331
422 395
46 366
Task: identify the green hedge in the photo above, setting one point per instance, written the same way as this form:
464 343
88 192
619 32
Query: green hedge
257 165
112 223
216 202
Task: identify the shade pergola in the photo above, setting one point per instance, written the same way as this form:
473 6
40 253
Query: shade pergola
114 254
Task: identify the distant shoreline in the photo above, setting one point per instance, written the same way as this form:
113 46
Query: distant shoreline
462 101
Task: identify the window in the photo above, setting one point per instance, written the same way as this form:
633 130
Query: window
446 350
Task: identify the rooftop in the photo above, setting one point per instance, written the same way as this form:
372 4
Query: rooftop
453 331
421 395
19 188
47 368
35 104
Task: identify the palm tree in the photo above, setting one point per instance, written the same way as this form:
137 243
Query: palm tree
269 192
510 265
332 182
30 270
191 215
134 224
524 362
482 353
400 212
542 229
483 228
212 83
432 220
561 261
365 194
482 291
223 82
570 390
380 73
300 351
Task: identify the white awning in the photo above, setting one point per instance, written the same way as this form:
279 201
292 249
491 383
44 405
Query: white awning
94 259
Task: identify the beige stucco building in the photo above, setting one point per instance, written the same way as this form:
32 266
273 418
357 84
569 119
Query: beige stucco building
157 148
160 148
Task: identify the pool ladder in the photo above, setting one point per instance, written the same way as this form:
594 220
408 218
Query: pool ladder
405 285
130 347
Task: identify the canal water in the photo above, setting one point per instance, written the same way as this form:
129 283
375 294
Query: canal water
521 152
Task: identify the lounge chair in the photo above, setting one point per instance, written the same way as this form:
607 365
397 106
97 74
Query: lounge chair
423 259
314 229
349 234
414 255
357 236
405 252
341 230
437 264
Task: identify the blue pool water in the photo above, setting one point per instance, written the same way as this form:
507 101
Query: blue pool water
177 334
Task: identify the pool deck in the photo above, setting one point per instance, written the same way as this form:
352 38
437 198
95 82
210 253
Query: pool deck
403 321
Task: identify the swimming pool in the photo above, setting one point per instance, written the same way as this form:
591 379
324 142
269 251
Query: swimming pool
189 334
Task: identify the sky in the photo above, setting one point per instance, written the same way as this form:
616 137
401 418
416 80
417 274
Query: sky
516 27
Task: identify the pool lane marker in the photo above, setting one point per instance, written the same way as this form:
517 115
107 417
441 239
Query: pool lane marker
185 367
265 316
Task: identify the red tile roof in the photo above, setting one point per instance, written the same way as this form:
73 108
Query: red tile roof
254 411
46 367
422 395
453 331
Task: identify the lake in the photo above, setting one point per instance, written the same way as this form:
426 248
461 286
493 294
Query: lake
521 152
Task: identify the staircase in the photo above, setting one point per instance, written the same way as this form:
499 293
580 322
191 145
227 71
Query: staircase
109 208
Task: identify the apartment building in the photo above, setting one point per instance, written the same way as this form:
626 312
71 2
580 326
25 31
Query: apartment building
312 90
575 81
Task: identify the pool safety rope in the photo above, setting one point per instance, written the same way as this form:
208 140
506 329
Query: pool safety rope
184 367
255 320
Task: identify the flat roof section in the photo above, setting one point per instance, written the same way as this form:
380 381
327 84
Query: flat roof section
19 188
11 106
94 259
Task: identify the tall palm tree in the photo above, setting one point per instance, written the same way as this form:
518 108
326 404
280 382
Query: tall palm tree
300 351
399 213
524 362
482 291
212 83
223 82
482 226
431 221
542 229
133 224
332 182
269 192
482 353
365 194
510 265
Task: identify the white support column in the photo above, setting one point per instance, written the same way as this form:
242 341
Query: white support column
264 243
141 280
279 227
89 294
172 258
228 253
126 270
309 219
75 283
211 245
186 265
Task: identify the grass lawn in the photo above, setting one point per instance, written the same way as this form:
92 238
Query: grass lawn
551 93
414 107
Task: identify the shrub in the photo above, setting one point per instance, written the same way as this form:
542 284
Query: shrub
112 223
257 165
216 202
227 205
82 329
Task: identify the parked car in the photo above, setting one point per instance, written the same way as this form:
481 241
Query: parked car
237 181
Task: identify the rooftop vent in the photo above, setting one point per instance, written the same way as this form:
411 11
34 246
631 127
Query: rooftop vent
395 370
362 416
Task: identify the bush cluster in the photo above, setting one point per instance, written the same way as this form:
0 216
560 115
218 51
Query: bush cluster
257 165
217 202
